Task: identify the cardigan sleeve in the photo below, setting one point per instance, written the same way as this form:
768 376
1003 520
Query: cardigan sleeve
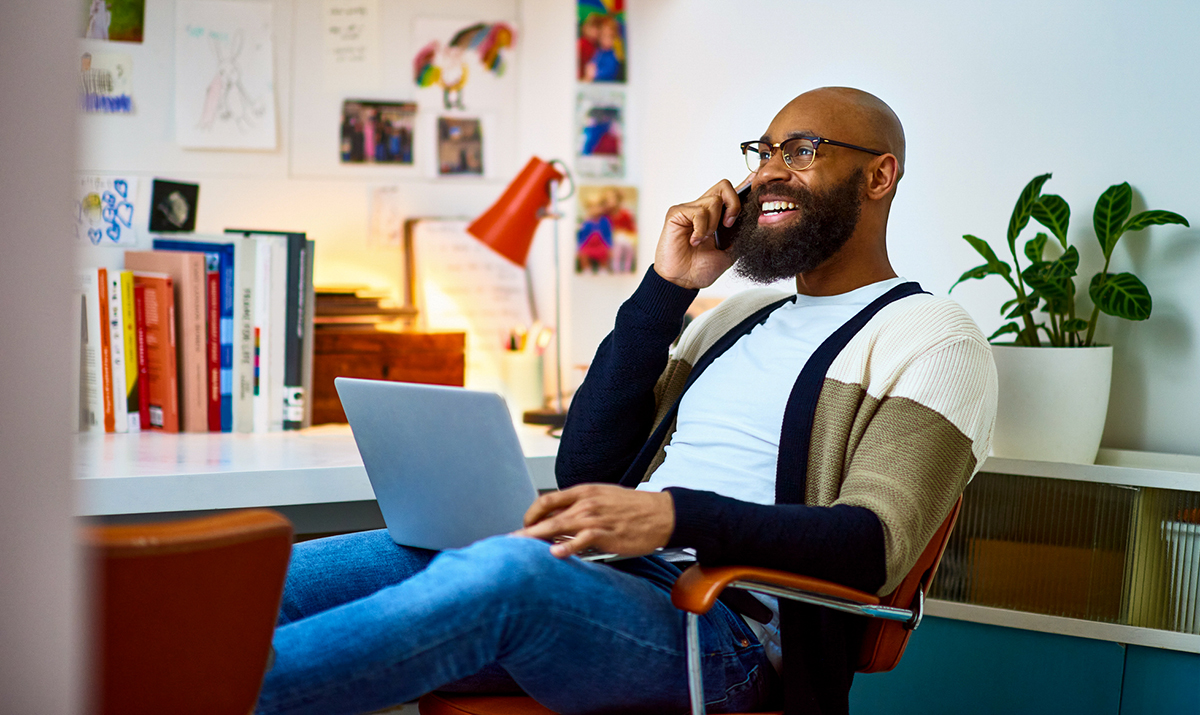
613 411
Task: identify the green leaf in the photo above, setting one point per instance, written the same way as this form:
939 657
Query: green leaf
1053 212
995 265
1036 247
975 273
1153 218
1021 212
1025 307
1112 208
1053 280
1008 329
1074 325
1121 295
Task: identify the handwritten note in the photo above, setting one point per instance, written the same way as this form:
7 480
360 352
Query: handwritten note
104 209
464 285
351 29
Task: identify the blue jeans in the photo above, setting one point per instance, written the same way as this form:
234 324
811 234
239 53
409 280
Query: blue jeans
366 624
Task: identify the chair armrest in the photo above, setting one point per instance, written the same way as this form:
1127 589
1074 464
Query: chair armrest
698 588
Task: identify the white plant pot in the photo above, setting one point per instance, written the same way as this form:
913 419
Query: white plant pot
1052 402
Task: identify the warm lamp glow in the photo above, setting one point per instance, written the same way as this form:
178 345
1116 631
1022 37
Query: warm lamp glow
509 225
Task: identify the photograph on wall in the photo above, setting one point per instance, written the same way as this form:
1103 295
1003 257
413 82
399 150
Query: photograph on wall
377 132
599 138
173 206
104 209
106 82
115 20
224 75
459 147
462 64
606 235
601 40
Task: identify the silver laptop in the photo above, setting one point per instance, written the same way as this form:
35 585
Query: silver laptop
445 462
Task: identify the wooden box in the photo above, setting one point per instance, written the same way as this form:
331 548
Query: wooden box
430 358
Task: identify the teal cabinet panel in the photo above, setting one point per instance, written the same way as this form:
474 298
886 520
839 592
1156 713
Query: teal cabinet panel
1160 681
953 667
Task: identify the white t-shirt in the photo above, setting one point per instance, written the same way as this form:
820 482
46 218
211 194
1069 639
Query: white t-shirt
726 437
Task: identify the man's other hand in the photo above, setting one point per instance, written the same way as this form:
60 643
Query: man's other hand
610 518
687 254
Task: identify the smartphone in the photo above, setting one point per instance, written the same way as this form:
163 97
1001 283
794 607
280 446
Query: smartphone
725 234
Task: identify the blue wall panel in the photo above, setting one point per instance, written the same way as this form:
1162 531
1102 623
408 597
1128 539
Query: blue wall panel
1160 681
955 667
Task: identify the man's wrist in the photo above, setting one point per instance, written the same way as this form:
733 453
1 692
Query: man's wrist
660 298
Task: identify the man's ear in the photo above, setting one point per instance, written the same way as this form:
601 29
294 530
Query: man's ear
882 175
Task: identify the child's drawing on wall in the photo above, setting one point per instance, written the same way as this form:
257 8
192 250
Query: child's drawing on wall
606 237
116 20
601 42
447 63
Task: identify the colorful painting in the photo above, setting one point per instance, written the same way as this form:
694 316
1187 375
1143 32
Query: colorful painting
601 41
104 209
115 20
448 63
606 236
600 126
377 132
105 82
460 147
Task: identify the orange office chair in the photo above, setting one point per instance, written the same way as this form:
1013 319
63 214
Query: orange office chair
895 616
185 612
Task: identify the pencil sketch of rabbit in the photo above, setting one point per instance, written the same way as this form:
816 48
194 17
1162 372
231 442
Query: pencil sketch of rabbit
227 99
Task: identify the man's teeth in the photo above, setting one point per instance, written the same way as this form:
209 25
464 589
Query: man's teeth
769 207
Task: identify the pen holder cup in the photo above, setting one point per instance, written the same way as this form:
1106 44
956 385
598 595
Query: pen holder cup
523 382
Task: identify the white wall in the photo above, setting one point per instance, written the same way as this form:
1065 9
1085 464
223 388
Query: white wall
39 578
991 94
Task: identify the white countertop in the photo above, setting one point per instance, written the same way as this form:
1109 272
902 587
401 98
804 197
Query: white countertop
153 472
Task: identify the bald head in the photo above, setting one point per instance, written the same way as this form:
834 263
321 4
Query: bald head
847 115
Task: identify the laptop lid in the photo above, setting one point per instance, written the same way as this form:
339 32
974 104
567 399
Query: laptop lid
445 462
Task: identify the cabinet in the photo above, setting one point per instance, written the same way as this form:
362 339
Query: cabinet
430 358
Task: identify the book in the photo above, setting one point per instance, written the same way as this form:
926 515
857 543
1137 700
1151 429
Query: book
222 259
212 350
154 295
132 369
299 260
106 385
187 271
115 322
270 311
143 367
91 378
308 314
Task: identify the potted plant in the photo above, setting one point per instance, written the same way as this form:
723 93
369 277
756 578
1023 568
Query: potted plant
1054 379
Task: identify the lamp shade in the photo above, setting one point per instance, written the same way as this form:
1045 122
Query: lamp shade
508 226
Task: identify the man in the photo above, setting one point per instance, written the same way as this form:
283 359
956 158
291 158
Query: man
900 394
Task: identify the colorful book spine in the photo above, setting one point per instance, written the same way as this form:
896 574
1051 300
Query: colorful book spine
116 339
143 364
213 353
132 369
161 346
110 424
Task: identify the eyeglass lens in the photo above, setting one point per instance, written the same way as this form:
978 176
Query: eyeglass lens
798 153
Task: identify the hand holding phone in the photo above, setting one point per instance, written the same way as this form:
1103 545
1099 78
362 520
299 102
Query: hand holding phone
725 234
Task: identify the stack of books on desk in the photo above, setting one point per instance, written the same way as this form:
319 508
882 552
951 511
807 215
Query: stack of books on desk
201 334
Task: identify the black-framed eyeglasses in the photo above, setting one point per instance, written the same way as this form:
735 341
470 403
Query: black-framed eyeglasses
798 152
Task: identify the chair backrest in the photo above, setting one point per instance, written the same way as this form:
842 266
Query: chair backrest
184 612
884 641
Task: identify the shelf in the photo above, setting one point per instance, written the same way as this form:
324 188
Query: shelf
1113 466
1130 635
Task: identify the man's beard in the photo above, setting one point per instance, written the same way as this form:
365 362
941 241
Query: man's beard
766 254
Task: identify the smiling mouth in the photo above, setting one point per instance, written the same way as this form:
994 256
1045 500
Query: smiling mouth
772 211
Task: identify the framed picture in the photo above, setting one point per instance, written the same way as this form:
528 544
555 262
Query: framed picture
459 146
600 133
601 40
377 132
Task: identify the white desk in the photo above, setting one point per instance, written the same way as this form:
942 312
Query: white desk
316 476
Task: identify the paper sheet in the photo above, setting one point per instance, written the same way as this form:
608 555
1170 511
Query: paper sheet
464 285
106 82
224 75
351 29
104 210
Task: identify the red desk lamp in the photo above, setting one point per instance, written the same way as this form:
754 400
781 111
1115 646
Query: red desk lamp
508 228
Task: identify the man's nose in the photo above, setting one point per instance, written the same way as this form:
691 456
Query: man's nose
774 170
